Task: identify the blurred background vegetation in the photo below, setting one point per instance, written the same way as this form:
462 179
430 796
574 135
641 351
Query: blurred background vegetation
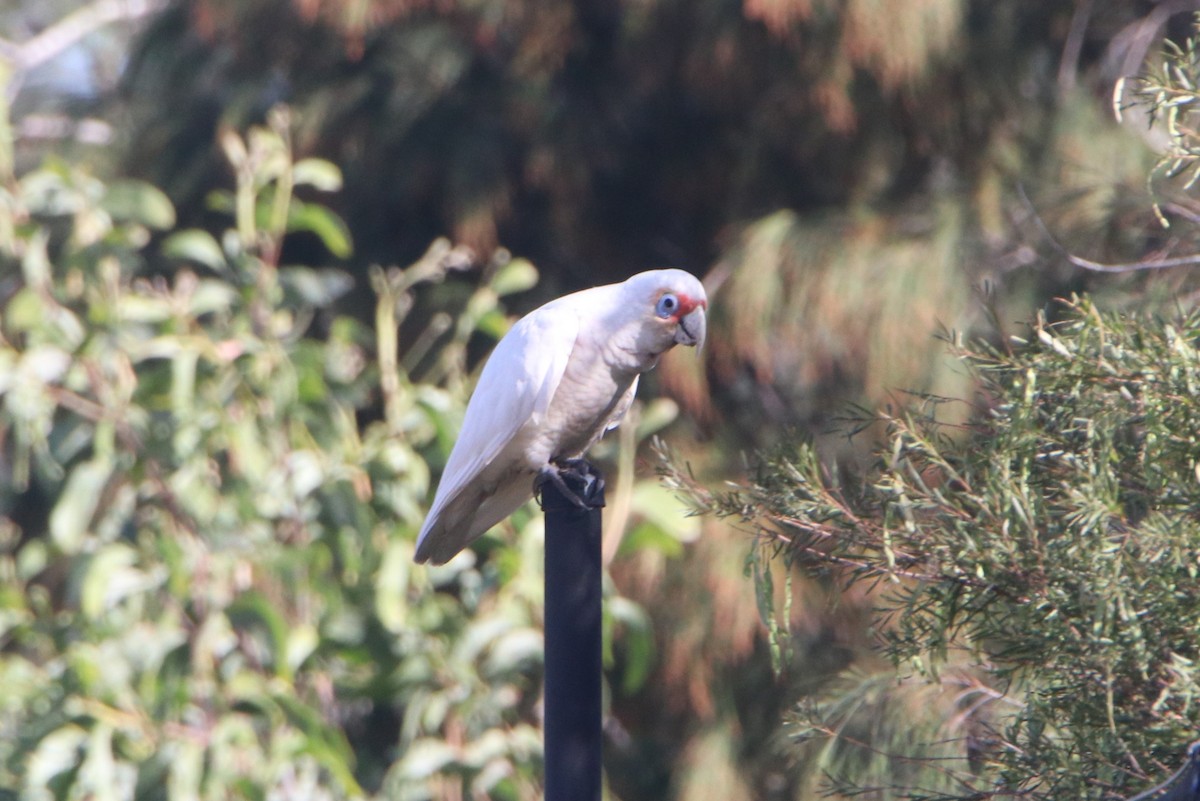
251 253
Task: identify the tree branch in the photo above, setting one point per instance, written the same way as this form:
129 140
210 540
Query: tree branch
63 34
1100 267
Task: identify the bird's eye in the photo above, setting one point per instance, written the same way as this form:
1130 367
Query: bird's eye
667 305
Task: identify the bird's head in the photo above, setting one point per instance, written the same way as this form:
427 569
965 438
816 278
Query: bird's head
670 307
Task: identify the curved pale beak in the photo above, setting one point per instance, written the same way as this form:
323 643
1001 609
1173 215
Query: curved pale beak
691 329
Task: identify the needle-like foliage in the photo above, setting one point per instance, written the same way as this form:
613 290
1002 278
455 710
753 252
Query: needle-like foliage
1034 573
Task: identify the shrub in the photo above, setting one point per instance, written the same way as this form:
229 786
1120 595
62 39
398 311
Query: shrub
208 509
1034 571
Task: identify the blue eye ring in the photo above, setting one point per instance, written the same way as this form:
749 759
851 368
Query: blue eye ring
667 305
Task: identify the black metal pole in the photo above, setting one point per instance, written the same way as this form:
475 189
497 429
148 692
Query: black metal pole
1183 786
573 637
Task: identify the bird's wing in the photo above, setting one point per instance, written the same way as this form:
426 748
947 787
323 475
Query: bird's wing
516 386
622 406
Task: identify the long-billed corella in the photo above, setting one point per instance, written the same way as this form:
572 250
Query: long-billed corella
562 376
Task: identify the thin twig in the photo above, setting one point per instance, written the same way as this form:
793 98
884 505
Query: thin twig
1100 267
63 34
925 761
1068 66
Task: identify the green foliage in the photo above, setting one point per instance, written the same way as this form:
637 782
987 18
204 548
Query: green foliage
600 133
1034 575
206 532
1169 93
860 154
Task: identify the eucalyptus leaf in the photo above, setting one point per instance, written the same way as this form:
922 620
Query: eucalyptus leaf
318 288
302 641
108 578
517 275
211 296
57 753
139 202
515 650
143 309
425 757
392 584
76 506
325 224
317 173
196 246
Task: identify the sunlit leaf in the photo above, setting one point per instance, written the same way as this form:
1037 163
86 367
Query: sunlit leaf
195 246
764 594
76 506
186 769
494 324
317 173
47 191
108 578
426 757
211 296
316 287
514 650
302 641
25 311
253 614
45 363
139 202
517 275
35 263
143 309
327 226
56 754
391 585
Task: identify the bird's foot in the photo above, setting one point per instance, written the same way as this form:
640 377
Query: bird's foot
577 480
589 479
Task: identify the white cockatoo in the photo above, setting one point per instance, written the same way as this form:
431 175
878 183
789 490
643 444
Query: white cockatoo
561 377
